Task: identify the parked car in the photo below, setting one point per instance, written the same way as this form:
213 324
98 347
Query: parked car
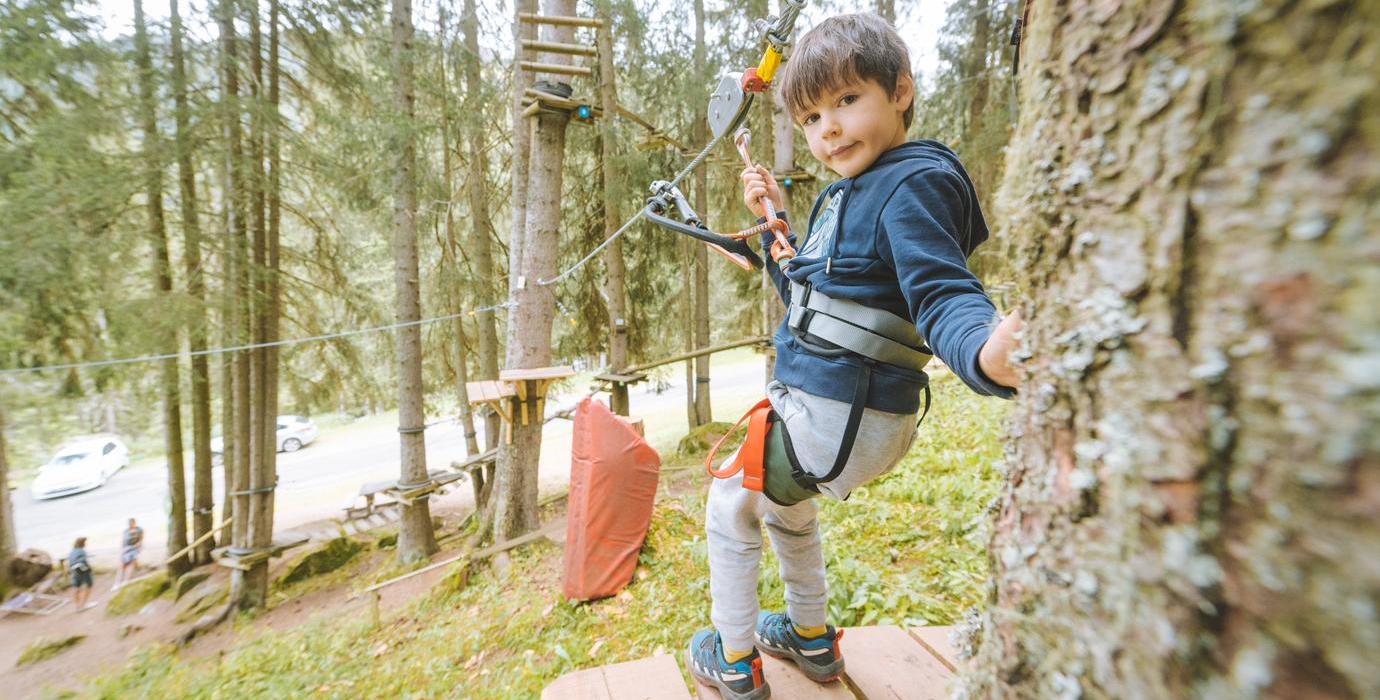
294 433
81 464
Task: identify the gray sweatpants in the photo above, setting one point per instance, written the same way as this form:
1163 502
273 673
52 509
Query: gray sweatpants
734 514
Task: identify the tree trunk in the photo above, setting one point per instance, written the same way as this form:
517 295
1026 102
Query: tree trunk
976 72
530 320
783 152
887 9
485 272
416 540
1191 506
450 258
234 368
700 260
250 588
203 507
8 546
163 286
615 296
522 155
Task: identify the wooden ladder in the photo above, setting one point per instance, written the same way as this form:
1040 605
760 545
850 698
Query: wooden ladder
529 50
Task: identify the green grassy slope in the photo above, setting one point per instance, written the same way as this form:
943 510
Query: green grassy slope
907 549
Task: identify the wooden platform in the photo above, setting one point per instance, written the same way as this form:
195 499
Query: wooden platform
882 662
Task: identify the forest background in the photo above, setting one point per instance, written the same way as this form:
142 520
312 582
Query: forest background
80 272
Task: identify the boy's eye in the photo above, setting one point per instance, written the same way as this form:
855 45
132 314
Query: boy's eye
848 99
809 119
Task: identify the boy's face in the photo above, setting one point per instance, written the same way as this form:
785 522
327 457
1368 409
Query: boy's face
850 126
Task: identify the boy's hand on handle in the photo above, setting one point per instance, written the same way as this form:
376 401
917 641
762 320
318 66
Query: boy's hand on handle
995 357
758 183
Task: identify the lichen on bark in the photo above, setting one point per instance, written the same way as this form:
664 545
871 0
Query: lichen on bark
1193 465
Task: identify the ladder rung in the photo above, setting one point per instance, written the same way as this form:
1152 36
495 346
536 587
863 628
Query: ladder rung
534 18
553 47
558 68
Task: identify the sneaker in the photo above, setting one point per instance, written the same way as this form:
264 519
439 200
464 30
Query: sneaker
817 657
740 680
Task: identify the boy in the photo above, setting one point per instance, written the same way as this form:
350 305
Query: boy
880 283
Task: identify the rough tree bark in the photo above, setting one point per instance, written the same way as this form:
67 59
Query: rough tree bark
163 286
416 540
1192 499
203 507
529 321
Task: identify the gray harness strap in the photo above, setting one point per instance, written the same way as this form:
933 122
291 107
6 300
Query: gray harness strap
872 333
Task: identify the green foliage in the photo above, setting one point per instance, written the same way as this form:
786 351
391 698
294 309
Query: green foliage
46 649
132 597
906 549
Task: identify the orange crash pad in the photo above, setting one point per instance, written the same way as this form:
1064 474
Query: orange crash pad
613 479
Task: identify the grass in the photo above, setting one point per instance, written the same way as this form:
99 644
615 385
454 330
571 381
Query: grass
906 549
47 648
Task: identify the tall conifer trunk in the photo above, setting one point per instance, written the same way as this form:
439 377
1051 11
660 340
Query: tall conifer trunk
700 259
615 296
203 507
530 320
232 390
450 257
416 540
163 286
1191 505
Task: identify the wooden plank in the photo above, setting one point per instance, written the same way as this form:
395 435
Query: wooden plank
578 685
534 18
657 678
488 390
556 68
556 47
936 641
787 681
514 375
887 663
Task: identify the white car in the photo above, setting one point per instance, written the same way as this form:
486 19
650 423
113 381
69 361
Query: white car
294 433
80 465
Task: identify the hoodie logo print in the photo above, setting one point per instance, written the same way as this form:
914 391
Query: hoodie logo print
822 232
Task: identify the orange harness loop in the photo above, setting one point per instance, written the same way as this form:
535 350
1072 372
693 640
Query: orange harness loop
751 456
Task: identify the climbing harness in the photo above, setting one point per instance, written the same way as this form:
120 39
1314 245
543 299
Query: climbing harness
826 327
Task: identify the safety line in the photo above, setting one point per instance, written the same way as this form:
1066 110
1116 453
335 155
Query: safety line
255 346
694 163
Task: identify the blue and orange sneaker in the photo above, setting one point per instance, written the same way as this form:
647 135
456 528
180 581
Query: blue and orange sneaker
817 657
740 680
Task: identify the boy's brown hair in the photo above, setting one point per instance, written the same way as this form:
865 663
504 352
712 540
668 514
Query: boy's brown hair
844 49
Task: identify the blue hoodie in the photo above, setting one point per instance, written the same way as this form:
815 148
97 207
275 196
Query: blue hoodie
896 237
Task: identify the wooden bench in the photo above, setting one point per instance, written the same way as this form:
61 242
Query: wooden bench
882 662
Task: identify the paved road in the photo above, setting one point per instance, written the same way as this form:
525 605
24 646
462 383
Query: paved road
315 482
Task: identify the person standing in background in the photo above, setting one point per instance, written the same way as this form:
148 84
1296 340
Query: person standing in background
132 542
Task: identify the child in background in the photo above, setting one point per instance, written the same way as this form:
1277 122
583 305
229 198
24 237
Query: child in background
80 570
